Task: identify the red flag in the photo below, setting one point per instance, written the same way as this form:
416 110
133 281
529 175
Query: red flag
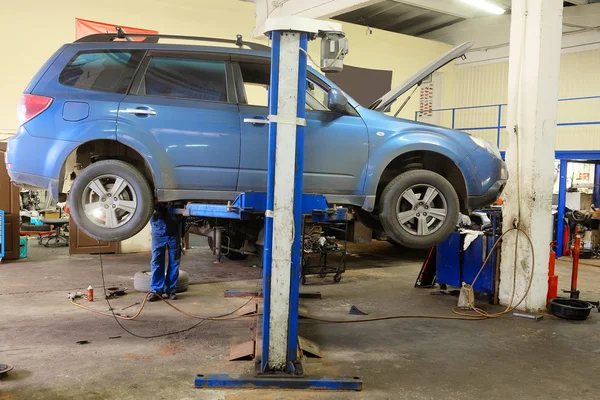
84 27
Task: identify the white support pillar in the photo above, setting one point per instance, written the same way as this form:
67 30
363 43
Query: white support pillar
534 62
283 211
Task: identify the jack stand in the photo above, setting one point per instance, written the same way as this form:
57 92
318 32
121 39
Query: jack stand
574 292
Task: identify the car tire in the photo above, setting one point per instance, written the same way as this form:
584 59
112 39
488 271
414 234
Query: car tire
419 209
369 220
394 243
141 281
232 255
135 197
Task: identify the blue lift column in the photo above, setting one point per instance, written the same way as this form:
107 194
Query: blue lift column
283 218
597 185
280 366
562 199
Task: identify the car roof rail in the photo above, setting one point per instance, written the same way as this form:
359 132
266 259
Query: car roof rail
153 38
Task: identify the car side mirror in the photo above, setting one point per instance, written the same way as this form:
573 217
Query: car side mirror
336 100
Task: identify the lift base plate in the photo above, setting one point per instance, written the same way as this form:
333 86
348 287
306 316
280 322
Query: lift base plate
277 381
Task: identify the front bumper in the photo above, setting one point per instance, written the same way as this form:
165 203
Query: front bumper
490 196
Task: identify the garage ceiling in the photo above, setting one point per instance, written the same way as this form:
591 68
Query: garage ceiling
420 17
416 17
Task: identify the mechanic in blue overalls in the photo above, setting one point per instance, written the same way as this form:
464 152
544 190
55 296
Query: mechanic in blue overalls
166 234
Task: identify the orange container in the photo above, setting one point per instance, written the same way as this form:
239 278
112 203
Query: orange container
90 293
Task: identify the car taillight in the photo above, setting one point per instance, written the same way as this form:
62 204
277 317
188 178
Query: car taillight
32 105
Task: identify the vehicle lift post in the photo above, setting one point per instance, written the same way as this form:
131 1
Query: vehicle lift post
280 366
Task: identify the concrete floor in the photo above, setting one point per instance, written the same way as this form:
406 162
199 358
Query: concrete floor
506 358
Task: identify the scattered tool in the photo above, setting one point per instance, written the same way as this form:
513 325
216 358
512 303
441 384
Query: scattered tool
355 311
115 291
5 369
76 295
129 306
529 316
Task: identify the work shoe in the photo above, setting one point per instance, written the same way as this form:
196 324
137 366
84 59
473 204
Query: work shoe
153 297
173 296
165 296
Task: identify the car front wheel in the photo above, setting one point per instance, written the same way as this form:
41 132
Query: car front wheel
419 209
111 200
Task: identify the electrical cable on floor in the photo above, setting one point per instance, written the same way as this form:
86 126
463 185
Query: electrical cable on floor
117 317
462 312
464 316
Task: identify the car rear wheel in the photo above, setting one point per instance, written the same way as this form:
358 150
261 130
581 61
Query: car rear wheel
111 200
419 209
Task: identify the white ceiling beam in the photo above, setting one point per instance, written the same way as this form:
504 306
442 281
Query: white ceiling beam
449 7
317 9
578 2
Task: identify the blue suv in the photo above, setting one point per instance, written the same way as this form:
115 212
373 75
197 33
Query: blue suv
118 125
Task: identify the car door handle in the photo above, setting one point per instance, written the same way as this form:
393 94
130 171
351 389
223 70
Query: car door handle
256 121
139 111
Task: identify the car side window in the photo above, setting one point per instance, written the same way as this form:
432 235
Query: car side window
185 78
104 70
316 97
256 79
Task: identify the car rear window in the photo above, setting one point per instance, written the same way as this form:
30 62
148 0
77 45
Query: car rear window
186 78
105 71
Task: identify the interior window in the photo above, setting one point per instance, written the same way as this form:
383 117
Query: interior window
256 88
185 78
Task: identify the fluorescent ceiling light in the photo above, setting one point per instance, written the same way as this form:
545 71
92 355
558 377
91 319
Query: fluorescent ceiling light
486 6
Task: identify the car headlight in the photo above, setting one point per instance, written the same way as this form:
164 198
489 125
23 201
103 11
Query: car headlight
487 145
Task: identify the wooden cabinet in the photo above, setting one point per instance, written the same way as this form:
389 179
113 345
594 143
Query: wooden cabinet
80 243
10 204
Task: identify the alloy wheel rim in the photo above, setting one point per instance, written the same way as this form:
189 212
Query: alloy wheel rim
421 209
109 201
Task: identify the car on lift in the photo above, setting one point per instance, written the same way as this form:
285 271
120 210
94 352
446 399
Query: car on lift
118 125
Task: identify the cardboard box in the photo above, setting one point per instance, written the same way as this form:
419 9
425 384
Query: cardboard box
579 201
595 237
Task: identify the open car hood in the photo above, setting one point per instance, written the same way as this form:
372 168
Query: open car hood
384 102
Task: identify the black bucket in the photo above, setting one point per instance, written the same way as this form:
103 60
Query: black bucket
572 309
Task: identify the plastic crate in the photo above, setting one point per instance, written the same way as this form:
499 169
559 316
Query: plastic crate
23 247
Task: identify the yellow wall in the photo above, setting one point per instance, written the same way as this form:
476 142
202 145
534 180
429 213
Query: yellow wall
488 84
34 29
